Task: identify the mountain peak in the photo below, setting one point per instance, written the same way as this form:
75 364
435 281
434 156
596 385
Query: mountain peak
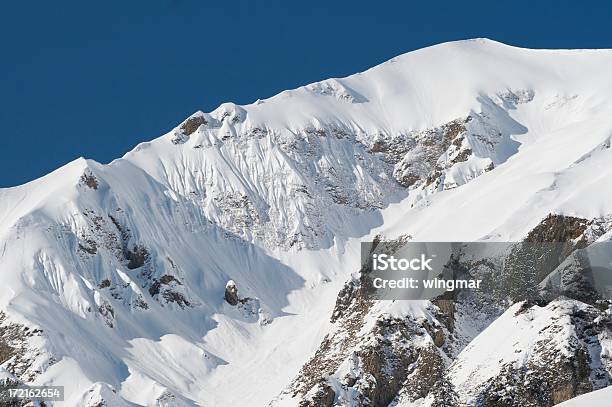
226 253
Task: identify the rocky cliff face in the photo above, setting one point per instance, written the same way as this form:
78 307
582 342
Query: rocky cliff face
478 349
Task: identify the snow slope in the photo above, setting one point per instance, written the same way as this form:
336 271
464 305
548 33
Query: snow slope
124 266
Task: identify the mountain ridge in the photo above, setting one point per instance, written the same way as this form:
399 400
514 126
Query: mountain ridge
125 266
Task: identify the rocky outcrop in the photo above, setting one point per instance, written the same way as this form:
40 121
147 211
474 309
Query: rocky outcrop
189 126
136 257
18 354
231 293
373 359
419 162
559 228
576 278
5 398
192 124
370 357
170 289
248 307
554 353
89 180
322 395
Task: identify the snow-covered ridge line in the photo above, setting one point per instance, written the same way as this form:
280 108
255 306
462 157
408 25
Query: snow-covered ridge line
427 81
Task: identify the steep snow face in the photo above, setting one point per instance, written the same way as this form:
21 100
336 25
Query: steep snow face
295 170
116 270
125 266
278 187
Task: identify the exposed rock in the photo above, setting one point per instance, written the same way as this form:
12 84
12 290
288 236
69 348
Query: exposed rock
380 359
231 293
564 357
88 246
438 337
249 308
447 308
108 313
544 249
89 180
558 228
388 359
462 156
136 257
192 124
323 396
6 352
5 399
17 355
104 283
419 162
444 394
425 374
393 362
241 209
539 385
378 147
349 315
170 289
158 283
176 297
229 113
573 278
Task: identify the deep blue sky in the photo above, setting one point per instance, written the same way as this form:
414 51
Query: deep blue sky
85 78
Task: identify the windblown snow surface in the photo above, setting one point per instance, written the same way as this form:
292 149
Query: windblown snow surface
114 276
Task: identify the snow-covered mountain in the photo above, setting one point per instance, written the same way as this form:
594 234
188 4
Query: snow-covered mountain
218 265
